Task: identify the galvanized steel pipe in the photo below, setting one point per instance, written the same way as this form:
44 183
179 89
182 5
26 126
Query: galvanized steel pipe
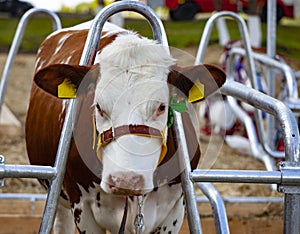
218 207
187 184
239 176
274 107
291 142
26 171
271 62
56 24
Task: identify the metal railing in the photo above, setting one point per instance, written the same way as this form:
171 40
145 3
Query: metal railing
287 178
18 37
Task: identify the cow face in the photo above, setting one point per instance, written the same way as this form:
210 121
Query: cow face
132 93
131 101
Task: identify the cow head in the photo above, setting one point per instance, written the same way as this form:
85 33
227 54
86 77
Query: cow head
131 101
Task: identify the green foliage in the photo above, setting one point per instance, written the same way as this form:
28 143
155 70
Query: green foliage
83 8
66 9
180 34
36 31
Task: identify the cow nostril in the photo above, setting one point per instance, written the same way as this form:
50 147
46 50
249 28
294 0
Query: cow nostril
115 179
136 179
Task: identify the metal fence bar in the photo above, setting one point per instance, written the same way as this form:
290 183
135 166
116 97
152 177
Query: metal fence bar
244 35
271 62
274 107
54 174
93 37
291 141
238 176
187 184
218 207
248 51
56 24
43 196
291 84
23 196
60 166
27 171
271 51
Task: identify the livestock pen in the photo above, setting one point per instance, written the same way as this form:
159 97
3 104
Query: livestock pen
287 177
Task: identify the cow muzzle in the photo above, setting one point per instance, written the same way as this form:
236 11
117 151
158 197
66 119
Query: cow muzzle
128 184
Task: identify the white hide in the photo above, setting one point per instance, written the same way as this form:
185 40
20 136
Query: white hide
132 86
64 220
161 209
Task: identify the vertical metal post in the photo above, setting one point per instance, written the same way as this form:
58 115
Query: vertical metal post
291 201
291 213
56 24
271 52
60 167
187 184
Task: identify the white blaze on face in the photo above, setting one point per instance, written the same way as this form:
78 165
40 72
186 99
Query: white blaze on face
132 89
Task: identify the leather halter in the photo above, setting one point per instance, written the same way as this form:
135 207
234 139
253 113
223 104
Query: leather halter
111 134
141 130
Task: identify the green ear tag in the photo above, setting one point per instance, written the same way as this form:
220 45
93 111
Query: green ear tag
177 106
170 118
66 89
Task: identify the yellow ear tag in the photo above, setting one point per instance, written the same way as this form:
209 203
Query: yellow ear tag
196 93
66 89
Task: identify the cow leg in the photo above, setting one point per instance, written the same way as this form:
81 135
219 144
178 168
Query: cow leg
64 220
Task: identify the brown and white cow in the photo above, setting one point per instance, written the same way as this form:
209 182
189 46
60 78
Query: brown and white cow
118 152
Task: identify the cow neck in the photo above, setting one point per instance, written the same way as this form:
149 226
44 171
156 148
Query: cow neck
139 218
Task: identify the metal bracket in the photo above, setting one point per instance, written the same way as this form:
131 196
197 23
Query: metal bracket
2 165
290 171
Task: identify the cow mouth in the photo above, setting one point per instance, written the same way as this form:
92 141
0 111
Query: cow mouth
124 192
126 184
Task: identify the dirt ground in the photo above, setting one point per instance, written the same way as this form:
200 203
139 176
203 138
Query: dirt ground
13 147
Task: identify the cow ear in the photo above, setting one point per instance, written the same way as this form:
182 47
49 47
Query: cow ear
196 82
61 80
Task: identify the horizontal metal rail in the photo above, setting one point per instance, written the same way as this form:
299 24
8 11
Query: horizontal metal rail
23 196
288 177
245 199
27 171
237 176
230 199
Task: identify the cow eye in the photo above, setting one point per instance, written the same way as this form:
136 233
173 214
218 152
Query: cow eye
161 109
100 111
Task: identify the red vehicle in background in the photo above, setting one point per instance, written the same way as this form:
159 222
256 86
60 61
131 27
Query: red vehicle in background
186 10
